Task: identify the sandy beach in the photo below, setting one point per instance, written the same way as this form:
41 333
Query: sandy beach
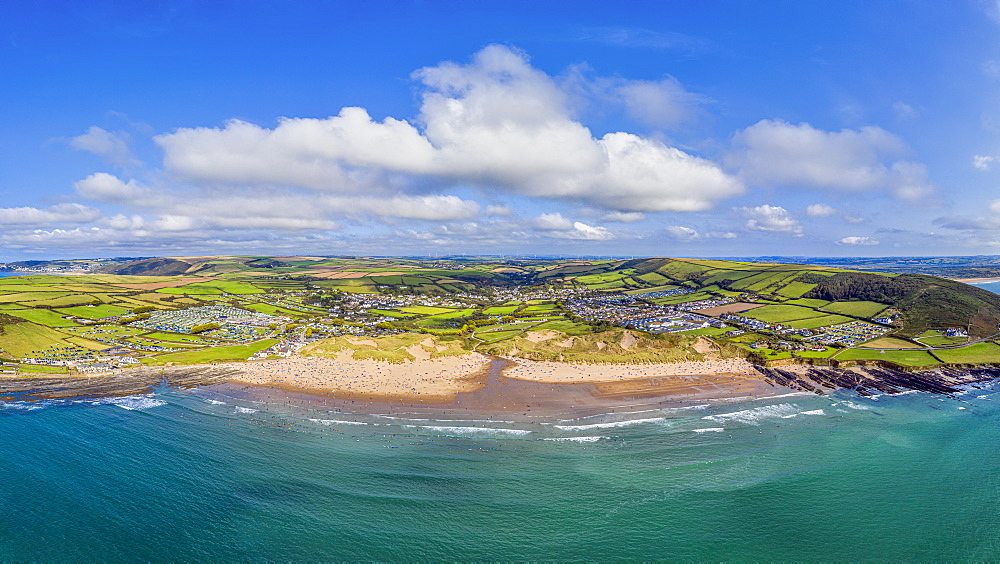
441 380
976 280
572 373
435 379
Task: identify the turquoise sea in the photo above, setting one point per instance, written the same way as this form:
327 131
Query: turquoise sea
195 475
206 475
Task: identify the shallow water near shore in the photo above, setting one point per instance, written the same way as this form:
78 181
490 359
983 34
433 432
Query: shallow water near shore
206 474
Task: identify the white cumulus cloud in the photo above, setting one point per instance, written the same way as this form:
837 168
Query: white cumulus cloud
820 210
774 219
60 213
113 147
682 233
866 241
982 162
777 153
496 122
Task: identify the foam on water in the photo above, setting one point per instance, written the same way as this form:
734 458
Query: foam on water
593 439
792 394
755 415
23 405
239 409
131 403
610 425
338 422
857 406
709 430
811 412
470 431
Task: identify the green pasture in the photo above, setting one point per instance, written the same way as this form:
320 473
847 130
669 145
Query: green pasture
22 338
64 301
794 289
979 353
890 343
31 296
500 310
42 317
782 313
453 314
856 309
908 358
808 302
427 310
936 338
827 352
94 312
217 354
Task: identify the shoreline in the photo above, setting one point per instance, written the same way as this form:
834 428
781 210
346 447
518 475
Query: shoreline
444 380
476 384
977 280
503 396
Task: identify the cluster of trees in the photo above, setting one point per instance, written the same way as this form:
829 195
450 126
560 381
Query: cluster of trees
205 327
136 317
861 286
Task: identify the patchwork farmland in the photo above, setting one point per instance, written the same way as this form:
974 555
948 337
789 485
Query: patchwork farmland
211 309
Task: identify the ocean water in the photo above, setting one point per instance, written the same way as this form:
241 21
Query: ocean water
198 475
991 286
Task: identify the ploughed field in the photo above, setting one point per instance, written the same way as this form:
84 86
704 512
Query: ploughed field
198 310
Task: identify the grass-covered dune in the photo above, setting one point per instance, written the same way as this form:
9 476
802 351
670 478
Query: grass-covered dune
615 346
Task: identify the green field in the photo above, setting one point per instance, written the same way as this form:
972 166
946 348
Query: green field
890 343
826 353
908 358
94 312
782 313
808 302
214 287
795 289
500 310
43 317
979 353
23 338
936 338
218 354
427 310
817 322
856 309
31 296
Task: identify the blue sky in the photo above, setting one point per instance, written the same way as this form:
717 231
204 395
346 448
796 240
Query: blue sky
572 128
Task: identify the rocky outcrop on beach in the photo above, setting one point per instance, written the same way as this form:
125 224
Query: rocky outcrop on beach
118 383
871 379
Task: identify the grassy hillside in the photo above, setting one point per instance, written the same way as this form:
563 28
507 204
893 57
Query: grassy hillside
495 306
925 301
